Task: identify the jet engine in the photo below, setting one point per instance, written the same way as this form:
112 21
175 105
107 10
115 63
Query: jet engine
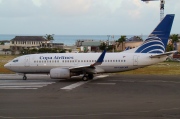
60 73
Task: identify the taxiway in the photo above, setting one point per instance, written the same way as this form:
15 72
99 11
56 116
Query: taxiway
107 96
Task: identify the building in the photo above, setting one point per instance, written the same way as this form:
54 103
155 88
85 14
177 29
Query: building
178 46
132 42
5 47
24 42
19 43
88 45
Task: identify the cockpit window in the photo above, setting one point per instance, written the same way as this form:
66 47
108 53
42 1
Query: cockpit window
16 60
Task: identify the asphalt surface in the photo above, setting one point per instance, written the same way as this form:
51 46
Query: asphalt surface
107 96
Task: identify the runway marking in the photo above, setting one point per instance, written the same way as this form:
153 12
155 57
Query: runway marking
106 83
72 86
148 81
11 84
75 85
101 76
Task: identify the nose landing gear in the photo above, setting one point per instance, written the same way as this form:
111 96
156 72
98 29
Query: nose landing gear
24 77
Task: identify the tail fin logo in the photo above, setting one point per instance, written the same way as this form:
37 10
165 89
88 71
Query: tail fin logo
152 45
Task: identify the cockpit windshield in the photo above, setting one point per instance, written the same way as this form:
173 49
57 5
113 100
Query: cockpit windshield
16 60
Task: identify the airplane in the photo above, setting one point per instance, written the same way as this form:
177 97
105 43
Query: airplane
67 65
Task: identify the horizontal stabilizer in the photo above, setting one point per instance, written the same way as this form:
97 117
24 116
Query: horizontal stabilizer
162 55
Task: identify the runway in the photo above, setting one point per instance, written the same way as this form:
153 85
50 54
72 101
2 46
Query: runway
107 96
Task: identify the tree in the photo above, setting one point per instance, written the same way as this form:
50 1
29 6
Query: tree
169 47
49 37
121 40
174 39
103 46
1 43
140 39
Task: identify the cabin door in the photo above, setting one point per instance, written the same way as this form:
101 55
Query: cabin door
135 60
27 61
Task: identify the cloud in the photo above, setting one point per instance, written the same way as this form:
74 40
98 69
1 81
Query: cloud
82 16
38 3
17 8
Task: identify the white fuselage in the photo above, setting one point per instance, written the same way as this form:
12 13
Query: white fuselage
113 62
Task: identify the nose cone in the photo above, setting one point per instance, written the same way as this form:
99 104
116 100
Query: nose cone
7 65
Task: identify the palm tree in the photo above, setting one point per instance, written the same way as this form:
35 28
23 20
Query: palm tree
121 40
175 39
103 46
49 37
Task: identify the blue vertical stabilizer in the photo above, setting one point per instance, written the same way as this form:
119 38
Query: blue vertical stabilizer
158 39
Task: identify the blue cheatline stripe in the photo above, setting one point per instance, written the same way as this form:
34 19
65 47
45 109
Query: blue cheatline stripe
150 46
156 48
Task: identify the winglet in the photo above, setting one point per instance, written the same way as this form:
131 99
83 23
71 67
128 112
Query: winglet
127 48
100 59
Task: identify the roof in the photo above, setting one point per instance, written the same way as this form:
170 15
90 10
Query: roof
28 38
133 39
93 43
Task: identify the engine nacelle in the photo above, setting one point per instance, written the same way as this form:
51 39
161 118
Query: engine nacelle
59 73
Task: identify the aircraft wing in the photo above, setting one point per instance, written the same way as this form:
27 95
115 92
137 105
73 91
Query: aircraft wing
162 55
90 68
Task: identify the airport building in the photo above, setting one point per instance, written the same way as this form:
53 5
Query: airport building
88 45
31 42
132 42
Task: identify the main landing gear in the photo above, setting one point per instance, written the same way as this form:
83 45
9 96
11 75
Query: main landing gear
24 77
87 77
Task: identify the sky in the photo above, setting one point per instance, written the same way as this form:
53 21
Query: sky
84 17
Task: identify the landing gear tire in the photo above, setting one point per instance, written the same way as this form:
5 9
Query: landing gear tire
90 76
85 78
24 77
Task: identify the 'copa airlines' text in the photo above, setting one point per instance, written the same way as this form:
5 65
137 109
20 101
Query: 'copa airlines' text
55 57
